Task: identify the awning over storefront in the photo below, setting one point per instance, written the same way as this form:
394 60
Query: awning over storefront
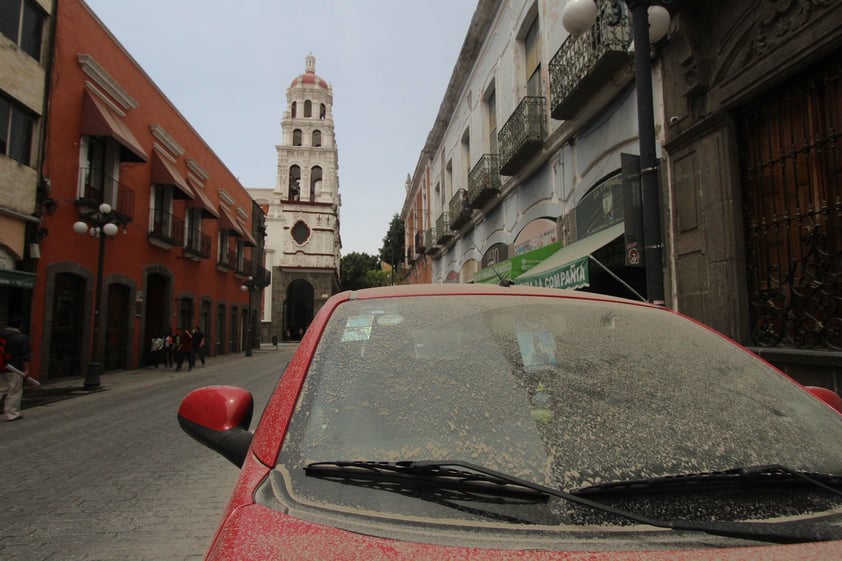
568 267
98 120
165 173
17 279
202 201
516 266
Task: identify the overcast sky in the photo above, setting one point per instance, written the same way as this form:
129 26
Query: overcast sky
226 67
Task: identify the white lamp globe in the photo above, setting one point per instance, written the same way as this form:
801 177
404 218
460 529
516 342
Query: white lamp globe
578 16
243 287
80 227
110 229
105 208
659 23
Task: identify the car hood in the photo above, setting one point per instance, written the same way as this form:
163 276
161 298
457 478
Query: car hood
255 532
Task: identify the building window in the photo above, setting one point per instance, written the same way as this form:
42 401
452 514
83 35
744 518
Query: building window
194 229
533 61
294 183
296 137
161 211
317 138
222 253
322 111
300 233
308 109
491 108
294 109
315 182
22 21
16 130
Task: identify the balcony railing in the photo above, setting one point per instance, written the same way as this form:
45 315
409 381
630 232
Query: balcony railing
98 188
460 212
443 228
166 228
588 64
484 181
430 241
522 136
262 277
198 244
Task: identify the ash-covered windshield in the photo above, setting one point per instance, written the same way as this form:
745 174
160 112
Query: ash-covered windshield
557 391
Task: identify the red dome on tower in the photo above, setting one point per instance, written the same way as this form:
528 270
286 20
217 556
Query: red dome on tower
309 76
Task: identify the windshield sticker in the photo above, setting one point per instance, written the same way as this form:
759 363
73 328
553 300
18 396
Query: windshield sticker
537 349
390 319
358 328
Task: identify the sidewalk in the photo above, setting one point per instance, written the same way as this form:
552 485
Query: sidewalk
68 388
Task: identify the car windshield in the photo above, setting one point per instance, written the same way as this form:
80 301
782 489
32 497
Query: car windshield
560 391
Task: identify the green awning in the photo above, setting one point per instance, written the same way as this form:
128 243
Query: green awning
516 266
568 267
17 279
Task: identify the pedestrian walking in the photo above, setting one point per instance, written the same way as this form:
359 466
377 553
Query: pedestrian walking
169 345
17 353
275 340
184 350
199 346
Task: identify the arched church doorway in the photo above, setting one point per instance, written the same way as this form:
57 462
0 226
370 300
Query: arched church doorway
299 308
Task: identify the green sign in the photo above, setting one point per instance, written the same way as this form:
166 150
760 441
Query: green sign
570 275
516 266
17 279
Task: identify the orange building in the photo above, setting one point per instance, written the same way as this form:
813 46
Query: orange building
177 239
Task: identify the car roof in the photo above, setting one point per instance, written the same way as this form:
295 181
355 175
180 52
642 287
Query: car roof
460 289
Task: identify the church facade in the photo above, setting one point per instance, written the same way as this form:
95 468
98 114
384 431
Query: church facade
302 210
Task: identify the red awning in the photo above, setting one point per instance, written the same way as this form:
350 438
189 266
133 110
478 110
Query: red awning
246 234
203 202
99 120
228 222
165 173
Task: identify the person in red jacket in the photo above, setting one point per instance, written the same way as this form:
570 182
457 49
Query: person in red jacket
184 350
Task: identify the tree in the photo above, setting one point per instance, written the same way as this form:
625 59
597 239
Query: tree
354 270
393 248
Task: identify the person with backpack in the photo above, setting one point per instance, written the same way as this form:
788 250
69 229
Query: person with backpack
16 351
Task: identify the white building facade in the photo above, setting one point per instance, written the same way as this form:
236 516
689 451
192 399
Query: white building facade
510 173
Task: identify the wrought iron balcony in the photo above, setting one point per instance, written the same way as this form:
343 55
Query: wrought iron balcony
430 241
588 64
522 136
460 212
443 228
484 181
198 244
98 188
167 229
262 277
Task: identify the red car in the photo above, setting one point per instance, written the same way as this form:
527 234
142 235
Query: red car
481 422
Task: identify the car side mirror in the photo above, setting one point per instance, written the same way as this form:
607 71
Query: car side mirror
219 418
827 395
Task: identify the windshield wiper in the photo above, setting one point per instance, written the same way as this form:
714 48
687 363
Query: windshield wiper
743 476
484 481
466 483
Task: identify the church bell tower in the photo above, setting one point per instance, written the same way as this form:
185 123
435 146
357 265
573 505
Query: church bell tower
303 217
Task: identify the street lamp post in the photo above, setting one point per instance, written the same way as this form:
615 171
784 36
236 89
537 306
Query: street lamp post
249 287
650 22
101 225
